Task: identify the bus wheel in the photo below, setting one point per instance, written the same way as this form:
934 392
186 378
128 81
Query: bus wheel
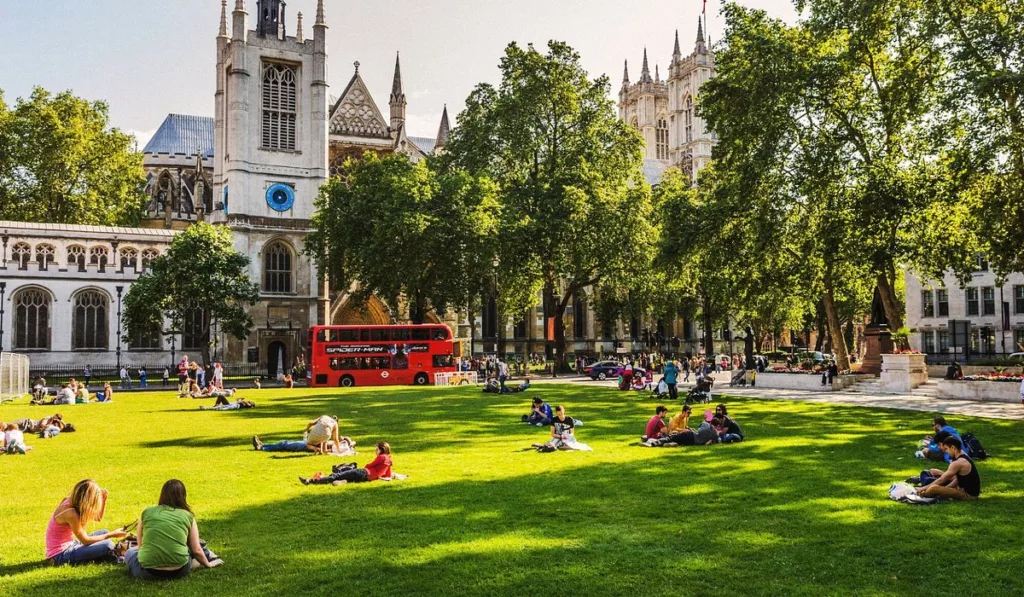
420 379
347 382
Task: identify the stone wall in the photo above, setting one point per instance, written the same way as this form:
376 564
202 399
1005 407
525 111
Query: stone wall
984 391
809 383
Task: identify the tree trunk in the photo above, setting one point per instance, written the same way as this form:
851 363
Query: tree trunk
821 325
893 309
709 328
205 350
417 309
835 328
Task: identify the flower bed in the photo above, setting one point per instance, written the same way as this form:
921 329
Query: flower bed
995 376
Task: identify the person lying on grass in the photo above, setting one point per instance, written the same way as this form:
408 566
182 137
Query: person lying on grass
379 467
729 432
225 405
563 434
960 481
318 433
168 539
656 425
36 426
933 448
541 414
14 440
66 539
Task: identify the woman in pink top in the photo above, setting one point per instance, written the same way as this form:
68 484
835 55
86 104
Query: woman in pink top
66 539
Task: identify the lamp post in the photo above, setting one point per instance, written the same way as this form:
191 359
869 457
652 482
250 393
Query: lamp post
119 290
3 291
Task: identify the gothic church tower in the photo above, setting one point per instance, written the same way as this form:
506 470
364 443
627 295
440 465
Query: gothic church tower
270 159
689 138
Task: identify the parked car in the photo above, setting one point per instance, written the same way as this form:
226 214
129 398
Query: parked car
814 355
1017 356
603 370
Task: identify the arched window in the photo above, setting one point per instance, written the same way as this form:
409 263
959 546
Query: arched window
279 106
76 257
148 255
98 256
194 332
688 111
662 139
90 321
277 268
32 319
129 258
45 254
579 317
22 254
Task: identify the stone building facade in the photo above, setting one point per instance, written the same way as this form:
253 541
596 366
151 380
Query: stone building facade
995 313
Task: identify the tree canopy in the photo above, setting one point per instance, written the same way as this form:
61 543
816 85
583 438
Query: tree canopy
61 162
199 280
404 232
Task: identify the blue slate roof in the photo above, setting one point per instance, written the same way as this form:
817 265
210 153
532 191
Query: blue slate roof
183 134
425 144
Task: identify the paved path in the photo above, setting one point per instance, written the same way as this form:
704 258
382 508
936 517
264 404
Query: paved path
990 410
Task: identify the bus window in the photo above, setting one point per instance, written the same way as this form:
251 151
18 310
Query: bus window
344 364
379 335
321 335
444 360
364 335
440 333
421 333
345 335
380 363
335 364
401 334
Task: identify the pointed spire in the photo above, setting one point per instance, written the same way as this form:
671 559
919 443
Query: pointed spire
700 30
657 75
396 85
445 132
625 74
320 14
676 51
645 72
223 19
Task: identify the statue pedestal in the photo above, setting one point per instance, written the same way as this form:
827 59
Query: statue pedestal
877 341
903 372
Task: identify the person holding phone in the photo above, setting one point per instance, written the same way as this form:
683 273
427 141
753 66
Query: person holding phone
168 539
67 541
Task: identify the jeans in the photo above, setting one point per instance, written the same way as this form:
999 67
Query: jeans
356 475
730 438
501 380
84 554
131 560
285 446
673 391
142 381
539 421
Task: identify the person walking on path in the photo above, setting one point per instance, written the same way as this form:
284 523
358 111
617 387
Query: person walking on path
672 379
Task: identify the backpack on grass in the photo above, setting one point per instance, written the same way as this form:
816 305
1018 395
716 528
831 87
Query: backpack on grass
974 447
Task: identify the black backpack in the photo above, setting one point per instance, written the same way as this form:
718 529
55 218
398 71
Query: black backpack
974 447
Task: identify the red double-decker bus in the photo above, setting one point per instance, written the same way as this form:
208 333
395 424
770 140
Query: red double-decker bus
375 355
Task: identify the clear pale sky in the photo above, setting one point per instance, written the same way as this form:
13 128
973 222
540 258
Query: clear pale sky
148 59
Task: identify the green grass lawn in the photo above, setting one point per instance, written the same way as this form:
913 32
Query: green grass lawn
799 509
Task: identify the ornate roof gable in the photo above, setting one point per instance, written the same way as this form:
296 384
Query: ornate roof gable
355 112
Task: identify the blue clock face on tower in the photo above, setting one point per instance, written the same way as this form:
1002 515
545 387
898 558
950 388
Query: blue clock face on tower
280 197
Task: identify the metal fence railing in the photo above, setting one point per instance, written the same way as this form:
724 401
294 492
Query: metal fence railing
14 376
58 374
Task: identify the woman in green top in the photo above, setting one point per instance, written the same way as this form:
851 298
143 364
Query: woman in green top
168 539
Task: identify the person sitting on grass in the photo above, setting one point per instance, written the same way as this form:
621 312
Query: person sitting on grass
256 383
706 434
656 425
680 422
238 404
379 467
729 432
960 481
563 434
639 382
67 542
491 386
168 539
318 432
14 440
108 392
933 450
541 414
523 386
82 396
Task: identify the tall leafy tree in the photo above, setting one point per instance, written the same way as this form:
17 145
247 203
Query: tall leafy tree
575 209
404 232
983 119
199 280
60 161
